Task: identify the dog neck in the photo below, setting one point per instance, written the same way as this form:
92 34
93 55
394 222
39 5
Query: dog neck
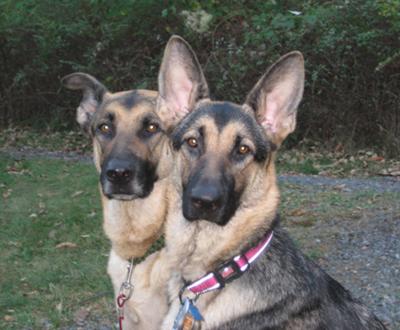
132 226
197 247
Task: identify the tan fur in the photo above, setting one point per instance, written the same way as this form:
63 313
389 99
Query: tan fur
133 226
196 247
148 304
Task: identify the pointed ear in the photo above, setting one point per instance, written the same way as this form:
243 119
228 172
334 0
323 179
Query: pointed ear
93 94
181 81
275 97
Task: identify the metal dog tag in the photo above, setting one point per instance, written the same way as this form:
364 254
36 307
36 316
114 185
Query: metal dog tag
181 315
187 316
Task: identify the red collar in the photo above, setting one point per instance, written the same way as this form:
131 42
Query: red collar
228 271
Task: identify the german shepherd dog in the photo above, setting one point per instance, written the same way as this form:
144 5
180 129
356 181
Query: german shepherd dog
223 200
132 156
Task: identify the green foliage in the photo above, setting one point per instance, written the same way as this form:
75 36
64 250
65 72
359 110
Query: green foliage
351 50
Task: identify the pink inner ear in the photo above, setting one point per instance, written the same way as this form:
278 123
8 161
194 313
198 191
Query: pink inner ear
270 113
85 110
182 89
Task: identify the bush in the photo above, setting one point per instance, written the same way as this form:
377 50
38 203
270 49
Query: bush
351 50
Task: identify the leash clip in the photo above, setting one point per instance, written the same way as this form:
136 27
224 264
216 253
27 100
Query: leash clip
193 299
126 288
125 292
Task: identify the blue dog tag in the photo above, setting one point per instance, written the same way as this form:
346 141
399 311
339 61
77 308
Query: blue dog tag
188 314
195 312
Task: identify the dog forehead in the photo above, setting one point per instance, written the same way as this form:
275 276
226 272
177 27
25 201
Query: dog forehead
222 113
130 101
228 120
225 116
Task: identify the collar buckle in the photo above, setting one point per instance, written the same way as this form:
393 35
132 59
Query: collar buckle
229 271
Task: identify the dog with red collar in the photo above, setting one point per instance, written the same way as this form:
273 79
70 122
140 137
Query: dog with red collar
232 265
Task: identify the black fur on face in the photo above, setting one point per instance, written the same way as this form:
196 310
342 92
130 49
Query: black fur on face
212 198
211 192
126 177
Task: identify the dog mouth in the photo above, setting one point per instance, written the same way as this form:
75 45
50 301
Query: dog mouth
123 197
127 180
128 194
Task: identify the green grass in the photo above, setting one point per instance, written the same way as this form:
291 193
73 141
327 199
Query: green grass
44 203
47 202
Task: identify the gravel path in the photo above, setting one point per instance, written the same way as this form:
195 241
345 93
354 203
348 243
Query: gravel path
315 182
362 253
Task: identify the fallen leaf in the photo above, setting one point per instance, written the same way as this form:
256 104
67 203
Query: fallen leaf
92 214
9 318
376 159
77 193
66 245
390 172
298 212
339 187
339 148
303 222
7 193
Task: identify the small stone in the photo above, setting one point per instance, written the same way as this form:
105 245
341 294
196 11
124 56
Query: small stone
9 318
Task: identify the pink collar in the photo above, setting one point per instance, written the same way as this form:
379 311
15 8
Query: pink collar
228 271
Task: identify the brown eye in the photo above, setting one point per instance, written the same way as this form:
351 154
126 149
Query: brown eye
192 142
243 149
105 128
152 128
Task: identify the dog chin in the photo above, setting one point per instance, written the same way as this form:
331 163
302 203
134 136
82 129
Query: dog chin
122 197
212 219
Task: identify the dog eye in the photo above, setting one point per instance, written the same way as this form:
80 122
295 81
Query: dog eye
152 128
192 142
105 128
243 149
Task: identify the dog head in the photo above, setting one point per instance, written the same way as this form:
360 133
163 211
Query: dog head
221 146
128 136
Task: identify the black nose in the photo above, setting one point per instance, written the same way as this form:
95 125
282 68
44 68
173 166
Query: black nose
119 174
206 198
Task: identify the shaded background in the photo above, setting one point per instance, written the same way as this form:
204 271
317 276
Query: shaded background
351 50
53 251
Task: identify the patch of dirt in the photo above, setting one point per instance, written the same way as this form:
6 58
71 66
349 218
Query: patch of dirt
34 153
363 254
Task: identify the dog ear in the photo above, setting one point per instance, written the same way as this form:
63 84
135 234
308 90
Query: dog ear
93 94
275 97
181 81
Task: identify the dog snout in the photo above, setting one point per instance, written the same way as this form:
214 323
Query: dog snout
119 172
203 199
206 197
